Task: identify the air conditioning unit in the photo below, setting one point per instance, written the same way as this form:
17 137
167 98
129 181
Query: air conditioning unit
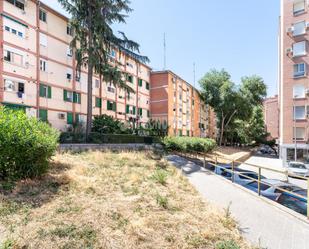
290 30
61 115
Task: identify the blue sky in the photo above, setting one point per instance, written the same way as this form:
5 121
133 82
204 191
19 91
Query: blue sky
238 35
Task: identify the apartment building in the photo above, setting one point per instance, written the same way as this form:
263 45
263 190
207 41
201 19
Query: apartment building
38 71
271 116
179 105
293 80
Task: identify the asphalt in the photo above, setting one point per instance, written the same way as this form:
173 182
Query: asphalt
264 224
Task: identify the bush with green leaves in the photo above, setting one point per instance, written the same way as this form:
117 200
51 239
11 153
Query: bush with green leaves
26 145
109 125
189 144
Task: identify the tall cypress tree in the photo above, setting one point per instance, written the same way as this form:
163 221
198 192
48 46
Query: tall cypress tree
94 38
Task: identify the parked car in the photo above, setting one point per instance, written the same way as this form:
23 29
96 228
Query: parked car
241 176
221 168
298 169
269 188
294 202
266 149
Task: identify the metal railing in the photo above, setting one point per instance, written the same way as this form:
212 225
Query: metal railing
213 161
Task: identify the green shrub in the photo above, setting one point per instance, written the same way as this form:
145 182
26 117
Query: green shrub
160 176
227 244
189 144
26 145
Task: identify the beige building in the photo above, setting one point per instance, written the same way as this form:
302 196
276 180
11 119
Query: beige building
38 70
179 105
293 80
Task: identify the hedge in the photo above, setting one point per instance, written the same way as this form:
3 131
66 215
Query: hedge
26 145
189 144
100 138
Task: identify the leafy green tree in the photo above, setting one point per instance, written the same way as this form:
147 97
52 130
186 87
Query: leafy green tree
229 101
94 39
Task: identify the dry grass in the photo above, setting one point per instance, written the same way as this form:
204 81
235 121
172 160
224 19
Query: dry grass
110 200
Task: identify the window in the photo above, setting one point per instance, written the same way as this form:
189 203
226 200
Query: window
110 89
127 109
140 82
147 86
98 102
7 56
43 65
298 7
69 51
45 91
129 65
299 70
140 111
43 40
17 3
70 118
299 112
69 30
14 31
298 91
97 83
148 113
12 57
111 106
300 133
9 85
21 87
43 15
130 78
43 115
299 28
67 96
69 76
113 54
76 98
299 48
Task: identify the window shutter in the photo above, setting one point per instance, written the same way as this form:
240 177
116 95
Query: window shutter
148 114
42 92
49 92
147 85
114 106
127 109
77 118
107 106
140 111
74 97
43 115
134 110
140 82
65 95
69 118
98 102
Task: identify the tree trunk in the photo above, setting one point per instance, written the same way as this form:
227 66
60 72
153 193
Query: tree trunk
90 74
222 130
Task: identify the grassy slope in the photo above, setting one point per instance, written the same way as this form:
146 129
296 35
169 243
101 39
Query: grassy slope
106 200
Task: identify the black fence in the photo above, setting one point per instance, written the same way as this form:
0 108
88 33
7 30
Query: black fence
99 138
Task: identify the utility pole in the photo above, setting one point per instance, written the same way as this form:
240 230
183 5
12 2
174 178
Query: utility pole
164 48
194 74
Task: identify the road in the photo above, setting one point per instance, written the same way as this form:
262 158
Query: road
272 163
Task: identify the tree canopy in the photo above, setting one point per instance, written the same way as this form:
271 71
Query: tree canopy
233 104
94 38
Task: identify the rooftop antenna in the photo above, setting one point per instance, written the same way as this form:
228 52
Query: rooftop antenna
164 47
194 74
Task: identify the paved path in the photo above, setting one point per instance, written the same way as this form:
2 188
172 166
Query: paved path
263 224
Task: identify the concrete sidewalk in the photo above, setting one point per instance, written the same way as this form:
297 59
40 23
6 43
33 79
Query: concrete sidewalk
262 223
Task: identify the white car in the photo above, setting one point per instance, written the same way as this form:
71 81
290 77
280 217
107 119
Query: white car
298 169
